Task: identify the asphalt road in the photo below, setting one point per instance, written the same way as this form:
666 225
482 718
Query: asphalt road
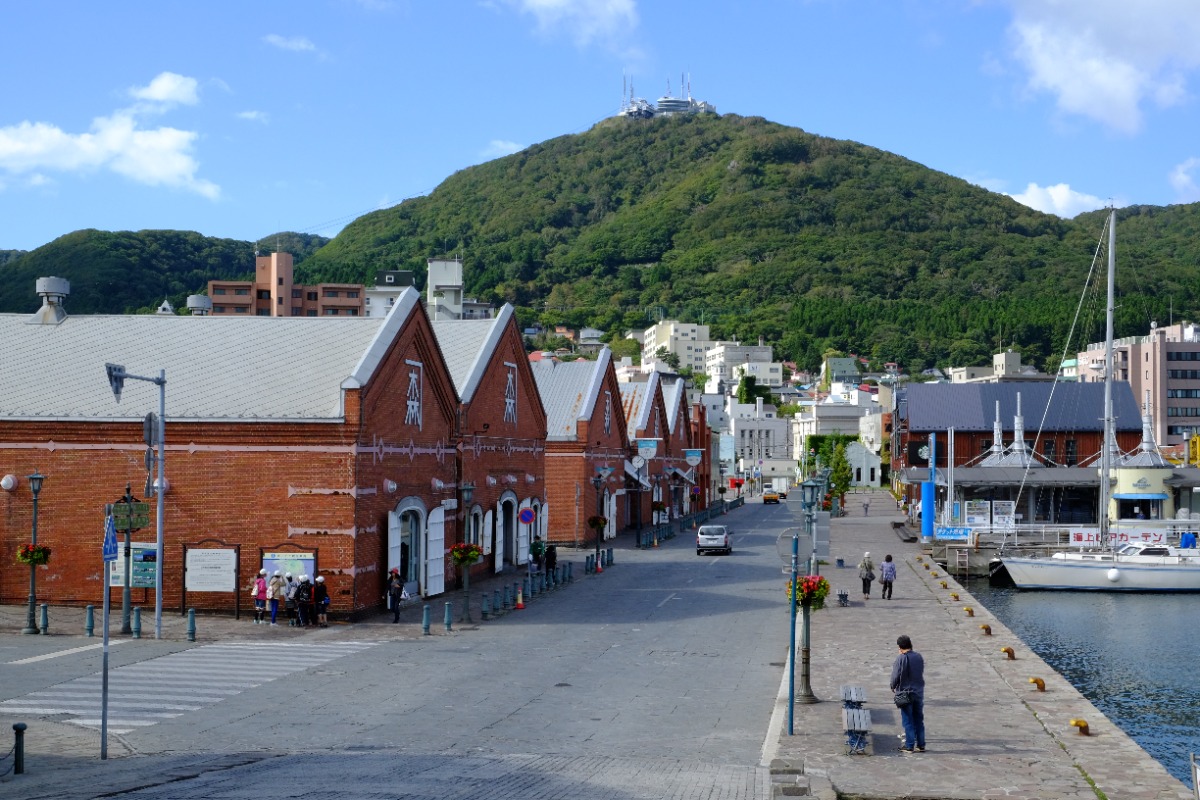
658 678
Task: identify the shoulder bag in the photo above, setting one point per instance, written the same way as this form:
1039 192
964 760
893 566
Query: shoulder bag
904 697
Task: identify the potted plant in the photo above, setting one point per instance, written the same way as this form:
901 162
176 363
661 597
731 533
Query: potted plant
465 553
597 522
812 591
35 554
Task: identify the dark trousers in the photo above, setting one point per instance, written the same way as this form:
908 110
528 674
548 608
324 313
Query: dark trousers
886 591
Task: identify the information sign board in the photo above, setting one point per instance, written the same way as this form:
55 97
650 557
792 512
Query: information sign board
210 570
142 568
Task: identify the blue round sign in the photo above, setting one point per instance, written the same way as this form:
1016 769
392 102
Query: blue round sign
527 516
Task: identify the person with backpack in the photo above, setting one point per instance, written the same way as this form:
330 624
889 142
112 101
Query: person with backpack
303 598
538 551
259 592
275 590
289 599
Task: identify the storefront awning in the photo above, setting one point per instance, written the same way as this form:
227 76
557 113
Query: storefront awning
1140 496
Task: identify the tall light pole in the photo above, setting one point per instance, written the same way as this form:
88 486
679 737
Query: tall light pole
35 486
116 379
468 491
808 498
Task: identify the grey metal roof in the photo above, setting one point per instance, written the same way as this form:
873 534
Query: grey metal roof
972 407
240 369
1008 476
467 345
637 398
569 391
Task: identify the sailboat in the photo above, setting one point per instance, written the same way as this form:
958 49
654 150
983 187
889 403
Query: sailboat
1134 566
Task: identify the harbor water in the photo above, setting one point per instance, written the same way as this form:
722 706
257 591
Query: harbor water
1132 655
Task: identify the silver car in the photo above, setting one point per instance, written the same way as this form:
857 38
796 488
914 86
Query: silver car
717 538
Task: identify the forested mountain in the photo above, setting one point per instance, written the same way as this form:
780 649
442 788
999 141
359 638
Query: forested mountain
754 228
126 272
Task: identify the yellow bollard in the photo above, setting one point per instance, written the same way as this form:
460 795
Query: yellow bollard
1008 651
987 629
1082 725
954 595
944 586
970 611
1039 683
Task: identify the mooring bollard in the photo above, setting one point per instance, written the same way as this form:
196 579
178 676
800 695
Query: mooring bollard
496 607
528 583
191 629
89 621
504 600
485 606
45 619
425 620
449 614
19 749
137 623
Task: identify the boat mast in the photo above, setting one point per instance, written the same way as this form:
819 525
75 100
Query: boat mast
1109 443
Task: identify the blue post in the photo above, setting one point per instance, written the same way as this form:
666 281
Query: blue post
191 628
588 569
425 620
497 608
89 621
570 571
504 598
19 749
137 623
45 619
449 610
485 606
610 557
530 586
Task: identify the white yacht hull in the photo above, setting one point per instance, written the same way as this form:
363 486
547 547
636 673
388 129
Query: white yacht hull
1105 573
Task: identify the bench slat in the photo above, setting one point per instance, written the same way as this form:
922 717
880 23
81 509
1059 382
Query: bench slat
856 719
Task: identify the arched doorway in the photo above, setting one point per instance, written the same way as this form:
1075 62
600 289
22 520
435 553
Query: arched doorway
405 542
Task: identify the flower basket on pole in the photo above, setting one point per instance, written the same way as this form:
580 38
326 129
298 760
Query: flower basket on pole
34 554
597 522
812 591
464 554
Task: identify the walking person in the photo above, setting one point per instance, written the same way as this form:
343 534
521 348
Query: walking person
259 593
538 551
908 674
395 593
866 507
887 576
321 602
275 591
866 572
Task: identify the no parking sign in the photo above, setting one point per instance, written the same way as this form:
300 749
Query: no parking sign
527 516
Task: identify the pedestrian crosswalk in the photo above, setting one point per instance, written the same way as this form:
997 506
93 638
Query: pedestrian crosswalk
148 692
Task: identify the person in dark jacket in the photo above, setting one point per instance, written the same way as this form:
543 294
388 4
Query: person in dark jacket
321 602
304 594
395 593
908 672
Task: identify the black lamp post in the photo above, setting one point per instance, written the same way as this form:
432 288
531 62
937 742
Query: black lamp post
468 491
35 486
598 482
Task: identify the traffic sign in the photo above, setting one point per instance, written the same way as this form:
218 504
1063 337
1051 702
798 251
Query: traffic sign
528 515
110 539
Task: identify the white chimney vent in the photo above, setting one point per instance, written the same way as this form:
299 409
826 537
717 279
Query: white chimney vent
53 291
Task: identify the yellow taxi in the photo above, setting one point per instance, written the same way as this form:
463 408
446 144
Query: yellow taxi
771 496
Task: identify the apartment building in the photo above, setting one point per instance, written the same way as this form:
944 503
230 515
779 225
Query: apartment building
687 340
1164 367
274 293
727 362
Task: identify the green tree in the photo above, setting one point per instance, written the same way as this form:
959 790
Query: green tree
667 357
840 477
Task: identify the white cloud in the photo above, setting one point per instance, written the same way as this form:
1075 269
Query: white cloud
254 116
584 20
1059 199
169 89
1183 181
499 147
1104 59
296 44
117 143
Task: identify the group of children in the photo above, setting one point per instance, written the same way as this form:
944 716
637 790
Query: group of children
305 602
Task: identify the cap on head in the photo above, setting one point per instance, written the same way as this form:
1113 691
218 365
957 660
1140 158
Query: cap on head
320 579
866 555
262 572
395 570
903 642
277 573
288 575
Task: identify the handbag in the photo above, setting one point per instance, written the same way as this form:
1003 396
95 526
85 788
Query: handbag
870 575
904 697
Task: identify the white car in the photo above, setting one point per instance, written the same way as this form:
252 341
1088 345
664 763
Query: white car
717 538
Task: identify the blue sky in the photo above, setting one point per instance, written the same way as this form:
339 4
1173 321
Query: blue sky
239 119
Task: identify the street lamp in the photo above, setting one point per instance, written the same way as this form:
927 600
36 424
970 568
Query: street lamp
116 379
808 498
468 491
35 486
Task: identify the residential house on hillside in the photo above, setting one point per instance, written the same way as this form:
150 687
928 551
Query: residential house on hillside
274 293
